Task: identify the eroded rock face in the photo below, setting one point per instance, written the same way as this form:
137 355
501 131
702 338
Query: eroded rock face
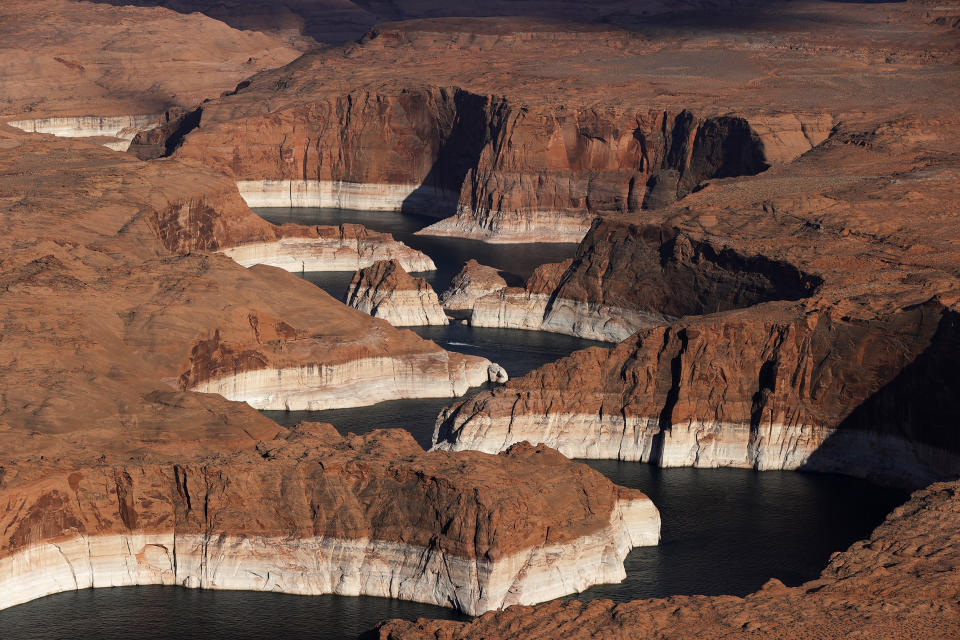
803 329
116 258
880 587
473 282
477 146
385 290
310 512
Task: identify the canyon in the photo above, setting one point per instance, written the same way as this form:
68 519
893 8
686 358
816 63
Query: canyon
769 354
126 348
763 197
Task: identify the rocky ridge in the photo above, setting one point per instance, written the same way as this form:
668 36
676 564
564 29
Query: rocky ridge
471 283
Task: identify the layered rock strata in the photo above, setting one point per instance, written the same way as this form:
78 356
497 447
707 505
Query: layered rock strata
310 512
467 138
829 351
347 247
386 291
114 262
474 281
901 582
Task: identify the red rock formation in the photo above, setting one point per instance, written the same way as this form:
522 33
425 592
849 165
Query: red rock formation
385 290
900 583
311 512
846 290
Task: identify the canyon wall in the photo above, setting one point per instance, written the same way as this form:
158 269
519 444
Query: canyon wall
312 513
501 166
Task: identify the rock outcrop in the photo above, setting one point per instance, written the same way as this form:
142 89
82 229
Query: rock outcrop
468 138
629 277
473 282
310 512
385 290
807 321
902 582
346 247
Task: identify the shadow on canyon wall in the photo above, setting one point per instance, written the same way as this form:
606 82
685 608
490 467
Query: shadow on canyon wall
919 407
471 123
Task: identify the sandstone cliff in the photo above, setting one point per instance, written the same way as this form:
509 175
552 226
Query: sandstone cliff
310 512
477 146
385 290
802 312
902 582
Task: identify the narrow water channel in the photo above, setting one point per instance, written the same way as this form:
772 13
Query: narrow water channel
724 530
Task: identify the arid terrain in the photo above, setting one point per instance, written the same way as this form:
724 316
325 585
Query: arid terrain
765 199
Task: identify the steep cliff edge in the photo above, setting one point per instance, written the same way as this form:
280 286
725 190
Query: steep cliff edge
815 317
468 139
310 512
385 290
902 582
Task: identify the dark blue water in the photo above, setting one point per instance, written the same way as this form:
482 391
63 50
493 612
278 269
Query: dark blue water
517 260
515 350
725 531
125 613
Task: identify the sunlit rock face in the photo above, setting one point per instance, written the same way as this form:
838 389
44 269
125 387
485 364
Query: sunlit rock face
385 290
311 513
347 247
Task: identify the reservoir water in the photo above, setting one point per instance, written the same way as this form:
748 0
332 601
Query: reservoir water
725 531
